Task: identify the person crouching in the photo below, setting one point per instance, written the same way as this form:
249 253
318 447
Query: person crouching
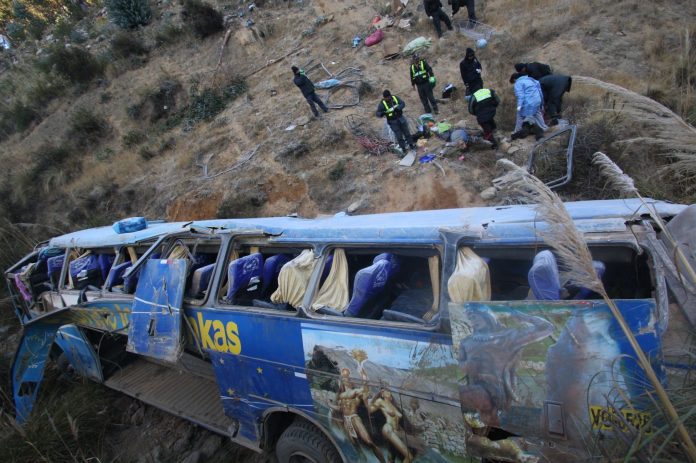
483 104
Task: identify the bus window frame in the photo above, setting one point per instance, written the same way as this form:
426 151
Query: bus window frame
261 240
435 325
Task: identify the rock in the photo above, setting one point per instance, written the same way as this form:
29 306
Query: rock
513 150
489 193
354 207
138 416
211 445
499 155
304 120
504 146
193 457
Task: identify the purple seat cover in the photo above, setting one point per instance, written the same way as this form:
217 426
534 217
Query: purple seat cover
543 277
369 283
201 279
271 269
115 277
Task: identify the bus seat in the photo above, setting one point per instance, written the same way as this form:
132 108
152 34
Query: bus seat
201 260
115 277
585 293
200 280
244 274
85 271
54 266
105 261
130 282
391 258
327 269
543 277
271 270
370 283
410 306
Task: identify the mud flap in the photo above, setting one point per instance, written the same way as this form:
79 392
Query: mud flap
155 328
29 364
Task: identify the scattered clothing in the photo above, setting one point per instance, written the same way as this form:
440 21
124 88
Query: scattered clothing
433 8
483 104
534 70
470 69
553 87
307 88
392 108
421 74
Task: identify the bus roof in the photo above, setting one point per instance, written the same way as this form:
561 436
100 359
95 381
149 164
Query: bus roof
416 227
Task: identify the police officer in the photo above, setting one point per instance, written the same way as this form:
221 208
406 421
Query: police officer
392 108
307 88
423 79
483 104
470 69
553 87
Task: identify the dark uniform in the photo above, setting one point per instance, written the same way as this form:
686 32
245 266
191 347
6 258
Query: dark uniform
483 104
470 9
433 8
307 88
421 73
470 69
534 70
392 107
553 87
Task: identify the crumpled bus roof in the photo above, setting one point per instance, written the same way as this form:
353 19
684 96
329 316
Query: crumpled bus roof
416 227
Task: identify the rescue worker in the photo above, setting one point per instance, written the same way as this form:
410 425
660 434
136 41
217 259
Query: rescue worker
422 78
470 69
530 119
433 8
392 108
553 87
534 70
307 88
483 104
470 10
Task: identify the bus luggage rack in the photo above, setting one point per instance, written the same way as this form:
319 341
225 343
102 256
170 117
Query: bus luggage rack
551 158
474 30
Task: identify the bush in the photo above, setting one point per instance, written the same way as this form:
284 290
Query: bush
129 14
337 171
168 34
203 19
22 116
73 63
63 29
87 128
124 45
133 138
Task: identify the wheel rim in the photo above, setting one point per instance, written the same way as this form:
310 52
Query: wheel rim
301 457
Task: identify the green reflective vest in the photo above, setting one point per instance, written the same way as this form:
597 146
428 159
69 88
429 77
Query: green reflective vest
390 109
482 94
422 73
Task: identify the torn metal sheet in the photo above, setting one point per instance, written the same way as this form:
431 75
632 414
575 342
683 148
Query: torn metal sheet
155 328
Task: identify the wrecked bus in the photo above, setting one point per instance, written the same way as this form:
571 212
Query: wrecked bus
416 336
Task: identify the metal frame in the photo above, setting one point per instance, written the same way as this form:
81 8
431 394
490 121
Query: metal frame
569 156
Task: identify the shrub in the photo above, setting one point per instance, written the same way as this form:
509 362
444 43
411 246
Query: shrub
133 138
87 128
129 14
124 45
337 171
63 28
168 34
73 63
22 116
203 19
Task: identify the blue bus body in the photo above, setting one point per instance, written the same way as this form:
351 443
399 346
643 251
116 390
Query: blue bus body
426 376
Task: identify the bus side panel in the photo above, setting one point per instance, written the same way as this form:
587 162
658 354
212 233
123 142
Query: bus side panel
550 371
79 352
258 362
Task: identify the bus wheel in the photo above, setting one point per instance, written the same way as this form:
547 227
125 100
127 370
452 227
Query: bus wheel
302 442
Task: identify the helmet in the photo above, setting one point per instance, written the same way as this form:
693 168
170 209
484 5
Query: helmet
481 43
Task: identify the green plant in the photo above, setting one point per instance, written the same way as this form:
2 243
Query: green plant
87 128
63 28
125 44
22 116
129 14
73 63
203 19
168 34
133 138
337 171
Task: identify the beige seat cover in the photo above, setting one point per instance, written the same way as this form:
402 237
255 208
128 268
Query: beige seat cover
334 292
294 278
471 280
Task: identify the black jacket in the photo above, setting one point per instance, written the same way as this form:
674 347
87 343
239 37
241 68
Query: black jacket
431 6
470 70
391 107
538 70
555 85
422 70
485 109
305 85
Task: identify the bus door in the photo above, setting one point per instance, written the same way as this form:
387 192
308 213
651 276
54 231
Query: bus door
169 271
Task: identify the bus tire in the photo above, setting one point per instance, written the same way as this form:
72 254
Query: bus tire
303 442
